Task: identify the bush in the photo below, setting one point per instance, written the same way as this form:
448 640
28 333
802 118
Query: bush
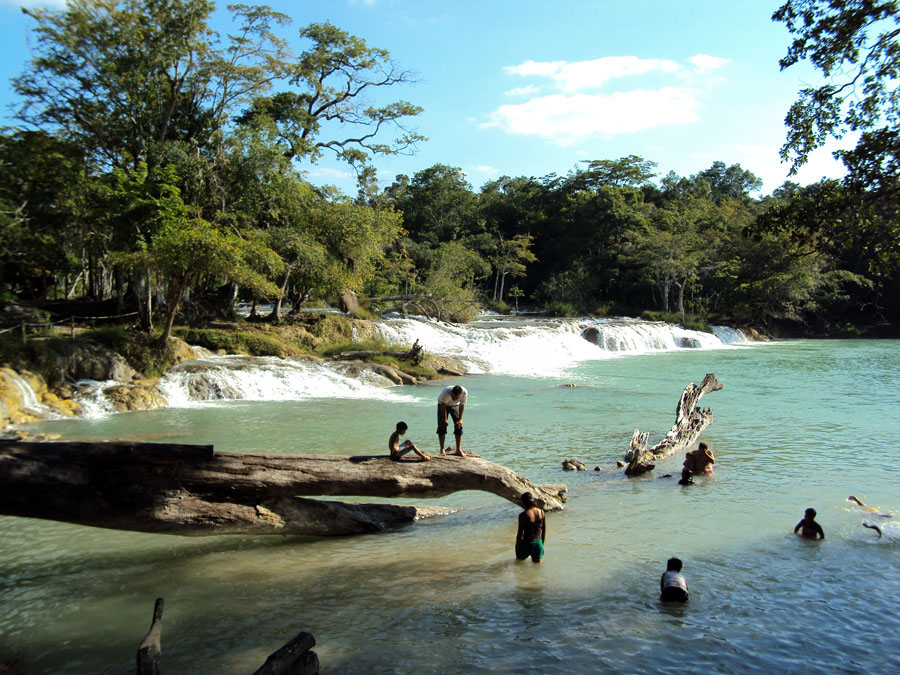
691 321
237 342
561 309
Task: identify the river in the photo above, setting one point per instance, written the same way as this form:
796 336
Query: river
798 423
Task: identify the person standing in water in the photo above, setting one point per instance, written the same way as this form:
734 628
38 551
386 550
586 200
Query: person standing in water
451 402
700 461
808 527
532 530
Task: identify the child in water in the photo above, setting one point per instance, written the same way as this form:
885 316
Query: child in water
532 531
673 587
808 527
399 449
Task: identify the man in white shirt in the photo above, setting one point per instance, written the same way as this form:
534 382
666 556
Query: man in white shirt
452 402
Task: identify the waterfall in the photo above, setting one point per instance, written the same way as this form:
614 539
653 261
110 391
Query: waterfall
547 347
269 378
30 401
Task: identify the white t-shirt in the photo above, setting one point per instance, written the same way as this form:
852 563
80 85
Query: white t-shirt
447 399
673 578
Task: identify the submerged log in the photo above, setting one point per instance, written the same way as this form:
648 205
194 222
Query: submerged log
690 421
294 658
192 490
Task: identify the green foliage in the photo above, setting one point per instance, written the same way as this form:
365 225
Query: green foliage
335 348
235 341
114 336
562 309
691 322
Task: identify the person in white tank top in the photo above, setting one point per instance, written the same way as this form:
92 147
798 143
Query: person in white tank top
673 587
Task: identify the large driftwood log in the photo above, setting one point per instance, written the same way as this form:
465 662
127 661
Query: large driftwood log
690 421
414 354
192 490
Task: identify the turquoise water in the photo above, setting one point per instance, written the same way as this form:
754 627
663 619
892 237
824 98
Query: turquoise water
798 424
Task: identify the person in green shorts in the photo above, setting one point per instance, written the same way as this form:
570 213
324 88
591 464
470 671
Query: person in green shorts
532 531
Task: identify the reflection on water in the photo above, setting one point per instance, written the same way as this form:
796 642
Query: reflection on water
447 595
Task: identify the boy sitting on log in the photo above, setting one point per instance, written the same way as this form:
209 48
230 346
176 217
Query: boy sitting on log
399 449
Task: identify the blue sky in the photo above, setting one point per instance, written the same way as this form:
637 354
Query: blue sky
529 88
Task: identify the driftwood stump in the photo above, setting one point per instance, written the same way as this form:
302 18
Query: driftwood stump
690 421
192 490
150 650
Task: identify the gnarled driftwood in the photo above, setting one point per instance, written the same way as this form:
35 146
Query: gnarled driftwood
690 421
414 354
192 490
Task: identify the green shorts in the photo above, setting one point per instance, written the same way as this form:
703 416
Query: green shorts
535 549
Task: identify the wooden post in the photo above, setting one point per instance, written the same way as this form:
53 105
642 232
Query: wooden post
24 339
150 651
72 329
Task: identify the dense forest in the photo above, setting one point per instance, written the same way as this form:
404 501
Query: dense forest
159 169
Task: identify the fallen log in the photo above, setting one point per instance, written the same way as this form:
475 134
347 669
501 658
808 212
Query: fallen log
414 354
193 490
294 658
690 421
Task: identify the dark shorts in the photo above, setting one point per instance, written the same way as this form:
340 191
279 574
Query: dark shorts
535 549
674 594
442 423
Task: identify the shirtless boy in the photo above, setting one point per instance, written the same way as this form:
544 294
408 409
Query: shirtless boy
399 449
700 461
532 530
808 527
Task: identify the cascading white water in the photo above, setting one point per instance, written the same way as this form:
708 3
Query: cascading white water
729 335
533 347
30 401
546 347
249 378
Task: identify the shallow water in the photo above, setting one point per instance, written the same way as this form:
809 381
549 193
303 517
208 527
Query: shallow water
798 424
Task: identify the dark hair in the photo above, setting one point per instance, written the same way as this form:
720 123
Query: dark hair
811 513
402 425
703 446
456 390
673 564
527 499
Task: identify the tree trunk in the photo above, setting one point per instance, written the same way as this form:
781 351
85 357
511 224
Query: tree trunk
680 286
276 306
191 490
690 421
174 302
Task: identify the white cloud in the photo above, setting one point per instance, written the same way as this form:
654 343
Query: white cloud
567 119
522 91
325 172
484 168
704 63
542 68
592 74
764 162
581 75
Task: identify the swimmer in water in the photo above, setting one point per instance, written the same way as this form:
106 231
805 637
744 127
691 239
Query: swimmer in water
869 509
808 527
873 527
